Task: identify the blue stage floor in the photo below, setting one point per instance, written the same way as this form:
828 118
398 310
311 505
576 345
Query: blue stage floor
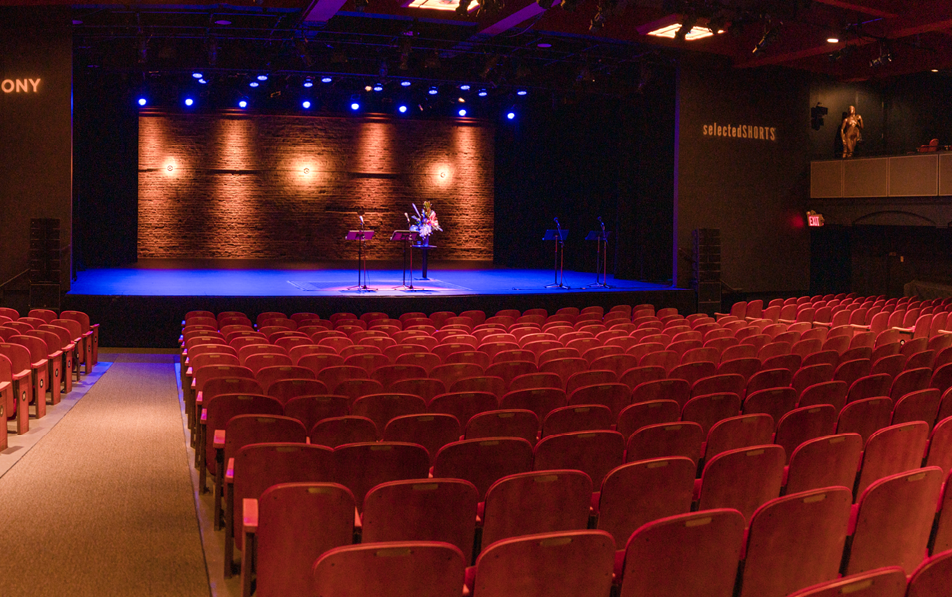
142 281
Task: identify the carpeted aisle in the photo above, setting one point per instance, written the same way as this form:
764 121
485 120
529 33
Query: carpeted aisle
103 505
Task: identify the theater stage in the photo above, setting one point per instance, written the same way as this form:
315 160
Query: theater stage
142 305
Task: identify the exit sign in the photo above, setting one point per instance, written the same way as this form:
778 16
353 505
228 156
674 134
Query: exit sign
815 220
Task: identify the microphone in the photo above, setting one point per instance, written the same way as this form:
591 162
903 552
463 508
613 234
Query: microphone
557 222
602 223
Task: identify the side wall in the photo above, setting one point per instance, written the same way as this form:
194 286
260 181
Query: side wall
241 186
743 167
36 153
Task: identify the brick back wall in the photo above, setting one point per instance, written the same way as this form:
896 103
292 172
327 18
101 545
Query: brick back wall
240 186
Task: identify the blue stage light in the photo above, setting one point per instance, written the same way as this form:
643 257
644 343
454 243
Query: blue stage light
462 112
243 104
253 84
203 81
378 87
326 80
521 92
402 109
355 106
405 83
482 93
464 87
511 115
308 83
197 75
142 101
189 101
433 91
306 104
262 77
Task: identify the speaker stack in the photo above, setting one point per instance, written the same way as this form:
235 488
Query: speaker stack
706 278
45 263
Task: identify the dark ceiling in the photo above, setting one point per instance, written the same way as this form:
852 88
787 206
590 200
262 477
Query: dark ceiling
512 43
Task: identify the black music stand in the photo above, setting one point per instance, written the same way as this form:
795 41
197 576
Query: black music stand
559 237
601 261
406 237
360 236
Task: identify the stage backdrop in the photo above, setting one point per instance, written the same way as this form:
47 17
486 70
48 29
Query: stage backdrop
243 186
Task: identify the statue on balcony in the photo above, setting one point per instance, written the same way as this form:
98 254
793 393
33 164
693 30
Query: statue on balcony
850 132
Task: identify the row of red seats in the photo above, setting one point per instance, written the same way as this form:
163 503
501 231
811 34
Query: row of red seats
39 355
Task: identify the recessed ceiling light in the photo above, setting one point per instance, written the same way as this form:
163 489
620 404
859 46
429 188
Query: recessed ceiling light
326 79
464 87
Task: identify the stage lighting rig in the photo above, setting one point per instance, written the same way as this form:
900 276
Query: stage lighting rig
770 35
884 58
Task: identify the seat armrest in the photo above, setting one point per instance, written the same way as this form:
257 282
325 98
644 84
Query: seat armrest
204 418
249 515
230 472
218 442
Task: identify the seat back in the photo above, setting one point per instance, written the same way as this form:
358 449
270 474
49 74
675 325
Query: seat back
483 461
742 479
685 555
536 502
827 461
430 430
397 569
361 467
463 405
565 564
422 510
882 582
382 408
780 557
894 520
932 576
568 419
261 465
891 450
865 417
802 424
640 492
739 432
241 430
665 440
337 431
297 523
592 452
311 409
636 416
520 423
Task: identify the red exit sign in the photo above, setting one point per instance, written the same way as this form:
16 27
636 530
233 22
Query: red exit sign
815 220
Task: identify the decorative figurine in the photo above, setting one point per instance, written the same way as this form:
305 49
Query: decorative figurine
850 132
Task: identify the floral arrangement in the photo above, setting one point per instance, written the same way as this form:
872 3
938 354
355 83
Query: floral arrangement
425 221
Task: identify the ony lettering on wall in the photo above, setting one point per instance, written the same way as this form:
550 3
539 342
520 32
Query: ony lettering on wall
20 85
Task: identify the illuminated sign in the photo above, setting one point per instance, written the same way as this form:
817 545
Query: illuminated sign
814 220
740 131
20 85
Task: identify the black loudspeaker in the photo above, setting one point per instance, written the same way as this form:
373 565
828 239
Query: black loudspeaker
706 271
44 263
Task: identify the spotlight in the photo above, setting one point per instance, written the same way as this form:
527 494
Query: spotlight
142 101
253 84
326 79
309 82
355 106
433 91
262 77
402 109
243 104
196 75
521 92
461 100
203 81
306 105
464 87
367 88
482 93
511 115
378 87
770 35
189 101
404 83
462 112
